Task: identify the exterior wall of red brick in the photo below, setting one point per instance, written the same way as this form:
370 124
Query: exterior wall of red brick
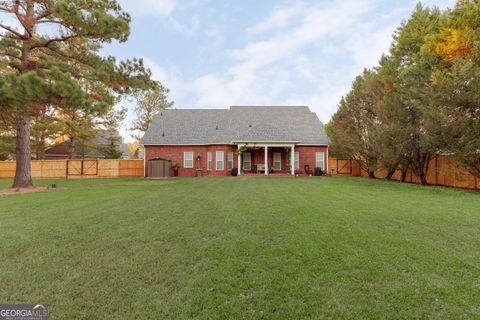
176 154
307 156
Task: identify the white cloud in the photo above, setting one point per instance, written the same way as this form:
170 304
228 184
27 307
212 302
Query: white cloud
281 17
186 29
442 4
215 34
298 55
318 23
269 71
169 77
304 68
149 7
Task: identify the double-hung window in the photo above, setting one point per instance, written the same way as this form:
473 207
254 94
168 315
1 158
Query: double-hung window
320 160
219 160
296 160
247 161
230 160
277 161
188 159
209 160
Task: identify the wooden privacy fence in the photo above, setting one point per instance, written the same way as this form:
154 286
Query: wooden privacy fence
442 171
72 169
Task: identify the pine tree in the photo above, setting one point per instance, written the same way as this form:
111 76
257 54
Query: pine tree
53 60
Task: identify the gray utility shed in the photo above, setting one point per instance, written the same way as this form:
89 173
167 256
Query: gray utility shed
159 168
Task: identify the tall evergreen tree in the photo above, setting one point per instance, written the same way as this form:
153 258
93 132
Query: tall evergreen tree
393 135
53 55
354 127
456 84
413 68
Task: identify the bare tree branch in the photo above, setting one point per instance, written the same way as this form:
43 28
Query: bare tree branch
62 39
20 18
9 29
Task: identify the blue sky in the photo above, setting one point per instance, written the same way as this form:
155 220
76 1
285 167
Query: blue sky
213 54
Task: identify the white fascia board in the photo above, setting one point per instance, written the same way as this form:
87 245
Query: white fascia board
188 144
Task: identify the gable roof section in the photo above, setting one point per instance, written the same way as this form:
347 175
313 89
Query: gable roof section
237 124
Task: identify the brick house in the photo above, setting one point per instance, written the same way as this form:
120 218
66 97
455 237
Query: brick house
264 140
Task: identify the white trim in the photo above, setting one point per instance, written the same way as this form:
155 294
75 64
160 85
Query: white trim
264 145
222 157
185 158
266 160
259 143
189 144
239 162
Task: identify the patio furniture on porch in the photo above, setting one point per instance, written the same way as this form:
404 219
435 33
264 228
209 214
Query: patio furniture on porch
261 168
254 168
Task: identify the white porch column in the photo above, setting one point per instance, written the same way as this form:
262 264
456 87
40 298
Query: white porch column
266 160
239 164
292 160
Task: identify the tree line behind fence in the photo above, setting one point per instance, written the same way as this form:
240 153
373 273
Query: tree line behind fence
442 170
422 100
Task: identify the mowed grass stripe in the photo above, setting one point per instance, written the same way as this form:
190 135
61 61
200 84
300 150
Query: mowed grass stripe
242 248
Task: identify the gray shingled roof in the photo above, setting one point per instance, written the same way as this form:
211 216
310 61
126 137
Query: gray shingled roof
224 126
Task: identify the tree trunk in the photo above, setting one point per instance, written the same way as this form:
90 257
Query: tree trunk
23 176
371 174
71 148
40 152
420 165
422 174
390 174
403 177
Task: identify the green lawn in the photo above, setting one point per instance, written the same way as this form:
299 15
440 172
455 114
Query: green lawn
242 248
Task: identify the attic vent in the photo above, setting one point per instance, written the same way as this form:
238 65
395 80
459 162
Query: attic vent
216 128
163 134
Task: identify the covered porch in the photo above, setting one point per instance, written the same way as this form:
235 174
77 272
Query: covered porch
273 158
